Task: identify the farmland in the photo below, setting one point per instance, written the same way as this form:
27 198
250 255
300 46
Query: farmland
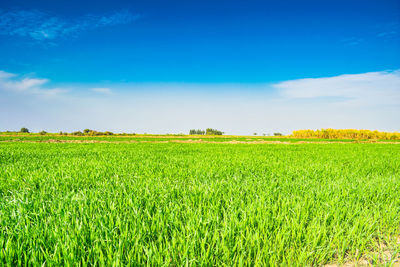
178 138
137 203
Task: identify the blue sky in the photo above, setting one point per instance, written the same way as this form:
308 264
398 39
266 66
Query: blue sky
168 66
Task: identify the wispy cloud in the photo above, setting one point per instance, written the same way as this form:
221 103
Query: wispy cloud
102 90
14 83
6 75
388 30
387 34
372 88
41 26
384 32
351 41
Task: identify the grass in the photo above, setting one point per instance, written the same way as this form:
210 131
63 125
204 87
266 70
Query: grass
164 138
202 204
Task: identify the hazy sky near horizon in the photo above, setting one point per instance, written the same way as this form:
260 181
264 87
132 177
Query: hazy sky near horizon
170 66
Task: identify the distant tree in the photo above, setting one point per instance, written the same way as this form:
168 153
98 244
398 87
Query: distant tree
96 133
264 134
79 133
24 130
42 132
210 131
199 132
255 133
278 134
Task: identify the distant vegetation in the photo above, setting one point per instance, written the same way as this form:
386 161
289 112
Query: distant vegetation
24 130
345 134
208 131
198 132
353 134
93 132
86 132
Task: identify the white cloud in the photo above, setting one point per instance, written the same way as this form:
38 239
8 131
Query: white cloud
102 90
6 75
13 83
373 88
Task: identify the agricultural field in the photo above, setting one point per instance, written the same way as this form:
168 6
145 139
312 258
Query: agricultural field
4 137
217 203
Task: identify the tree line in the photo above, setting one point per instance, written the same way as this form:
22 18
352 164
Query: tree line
85 132
89 132
208 131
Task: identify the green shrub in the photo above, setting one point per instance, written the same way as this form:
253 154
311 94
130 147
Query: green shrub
210 131
198 132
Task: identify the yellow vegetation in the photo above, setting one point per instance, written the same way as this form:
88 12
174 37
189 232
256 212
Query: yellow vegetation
346 134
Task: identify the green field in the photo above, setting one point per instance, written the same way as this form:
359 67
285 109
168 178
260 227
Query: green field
198 204
171 138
